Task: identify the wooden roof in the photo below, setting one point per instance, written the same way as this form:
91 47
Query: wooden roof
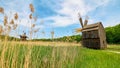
90 27
95 28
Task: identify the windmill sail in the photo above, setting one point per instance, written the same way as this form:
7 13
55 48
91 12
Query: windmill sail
86 20
80 19
78 30
82 24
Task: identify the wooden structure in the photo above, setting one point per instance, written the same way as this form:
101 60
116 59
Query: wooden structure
23 37
93 35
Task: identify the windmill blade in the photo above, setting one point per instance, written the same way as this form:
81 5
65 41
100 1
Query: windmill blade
78 30
86 20
80 19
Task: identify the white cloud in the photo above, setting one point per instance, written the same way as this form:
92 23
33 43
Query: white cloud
70 9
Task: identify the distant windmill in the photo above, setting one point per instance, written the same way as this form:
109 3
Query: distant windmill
23 37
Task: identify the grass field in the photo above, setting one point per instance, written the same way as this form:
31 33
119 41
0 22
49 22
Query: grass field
56 55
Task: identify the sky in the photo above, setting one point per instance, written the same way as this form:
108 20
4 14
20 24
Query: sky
60 16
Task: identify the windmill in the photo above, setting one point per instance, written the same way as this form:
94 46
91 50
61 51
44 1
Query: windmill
82 24
93 35
23 37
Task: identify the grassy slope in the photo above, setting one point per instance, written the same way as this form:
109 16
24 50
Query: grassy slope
19 56
98 59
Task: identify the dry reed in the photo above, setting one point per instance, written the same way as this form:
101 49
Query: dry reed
33 25
31 7
1 10
16 16
12 21
5 20
30 16
1 29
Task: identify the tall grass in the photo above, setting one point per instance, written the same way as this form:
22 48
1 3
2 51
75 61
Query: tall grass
29 55
34 56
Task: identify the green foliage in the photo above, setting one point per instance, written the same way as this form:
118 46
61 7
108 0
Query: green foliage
3 37
74 38
113 34
41 39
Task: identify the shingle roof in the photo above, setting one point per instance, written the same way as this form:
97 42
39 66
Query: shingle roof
92 25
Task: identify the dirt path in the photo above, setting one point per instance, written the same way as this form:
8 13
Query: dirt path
117 52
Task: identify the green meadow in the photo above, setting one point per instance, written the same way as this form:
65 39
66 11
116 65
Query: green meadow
40 56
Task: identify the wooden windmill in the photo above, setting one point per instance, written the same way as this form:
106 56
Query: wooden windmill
93 35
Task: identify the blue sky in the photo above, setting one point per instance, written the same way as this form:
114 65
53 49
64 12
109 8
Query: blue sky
60 15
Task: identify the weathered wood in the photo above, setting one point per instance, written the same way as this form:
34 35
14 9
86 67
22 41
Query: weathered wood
93 36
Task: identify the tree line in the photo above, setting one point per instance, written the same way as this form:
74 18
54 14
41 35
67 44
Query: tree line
113 34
